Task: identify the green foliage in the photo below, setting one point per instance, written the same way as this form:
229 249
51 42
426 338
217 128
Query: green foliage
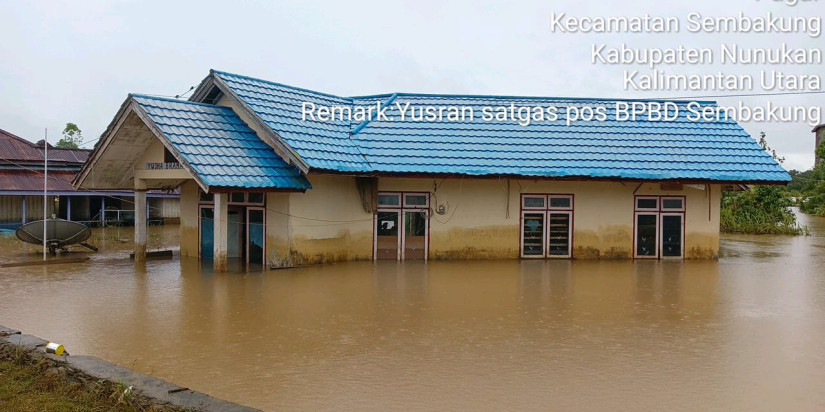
761 210
72 137
809 186
820 151
799 181
36 386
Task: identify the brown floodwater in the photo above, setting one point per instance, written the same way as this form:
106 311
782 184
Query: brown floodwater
744 333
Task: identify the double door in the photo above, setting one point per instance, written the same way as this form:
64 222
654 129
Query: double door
246 234
402 234
546 234
659 235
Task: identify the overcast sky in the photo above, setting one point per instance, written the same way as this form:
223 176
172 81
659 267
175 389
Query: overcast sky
76 61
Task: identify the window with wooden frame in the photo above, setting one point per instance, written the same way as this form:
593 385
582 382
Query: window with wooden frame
546 226
659 227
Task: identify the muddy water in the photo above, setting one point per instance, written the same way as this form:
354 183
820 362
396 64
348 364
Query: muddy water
744 333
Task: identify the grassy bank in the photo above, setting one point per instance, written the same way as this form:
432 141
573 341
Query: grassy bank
35 385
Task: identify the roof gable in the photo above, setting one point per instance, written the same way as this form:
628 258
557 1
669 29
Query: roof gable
211 142
219 146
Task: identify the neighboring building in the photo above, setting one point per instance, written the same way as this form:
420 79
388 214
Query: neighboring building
819 137
21 188
261 185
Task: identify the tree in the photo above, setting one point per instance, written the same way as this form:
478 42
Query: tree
813 193
762 209
72 137
820 151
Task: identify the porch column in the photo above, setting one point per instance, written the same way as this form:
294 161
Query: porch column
102 210
140 225
221 231
24 210
68 208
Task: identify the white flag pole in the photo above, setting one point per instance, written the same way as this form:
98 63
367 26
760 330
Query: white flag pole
45 187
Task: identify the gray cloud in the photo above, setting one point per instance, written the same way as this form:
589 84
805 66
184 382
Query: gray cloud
76 61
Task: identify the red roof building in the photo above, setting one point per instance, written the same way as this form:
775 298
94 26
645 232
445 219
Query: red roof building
21 187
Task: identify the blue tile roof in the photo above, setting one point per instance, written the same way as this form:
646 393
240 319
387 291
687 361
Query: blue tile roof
682 149
219 146
322 145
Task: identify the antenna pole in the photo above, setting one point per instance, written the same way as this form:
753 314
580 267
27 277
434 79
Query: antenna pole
45 187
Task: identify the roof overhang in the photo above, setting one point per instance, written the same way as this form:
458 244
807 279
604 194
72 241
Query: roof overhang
551 178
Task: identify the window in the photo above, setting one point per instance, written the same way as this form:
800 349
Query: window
546 226
237 197
673 203
389 200
256 197
647 203
416 200
659 223
533 202
560 202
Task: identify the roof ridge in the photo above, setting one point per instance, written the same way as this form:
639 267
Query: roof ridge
16 137
172 100
219 72
364 124
493 96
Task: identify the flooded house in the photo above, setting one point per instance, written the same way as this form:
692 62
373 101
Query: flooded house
263 183
21 188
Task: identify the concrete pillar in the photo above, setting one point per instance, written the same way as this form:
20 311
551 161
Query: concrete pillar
68 208
140 225
24 210
221 231
102 211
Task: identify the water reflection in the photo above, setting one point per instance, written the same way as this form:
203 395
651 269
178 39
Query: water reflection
742 333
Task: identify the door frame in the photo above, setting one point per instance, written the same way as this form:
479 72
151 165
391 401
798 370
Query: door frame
403 233
659 211
399 213
544 244
569 214
661 235
200 230
402 208
262 209
636 215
